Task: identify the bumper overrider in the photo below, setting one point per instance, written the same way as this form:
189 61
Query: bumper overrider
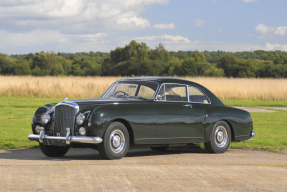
53 140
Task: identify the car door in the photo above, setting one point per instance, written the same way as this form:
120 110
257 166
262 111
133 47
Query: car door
177 118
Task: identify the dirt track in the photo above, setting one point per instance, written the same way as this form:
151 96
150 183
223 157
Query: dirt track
144 170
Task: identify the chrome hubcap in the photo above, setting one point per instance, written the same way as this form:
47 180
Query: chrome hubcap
117 141
221 136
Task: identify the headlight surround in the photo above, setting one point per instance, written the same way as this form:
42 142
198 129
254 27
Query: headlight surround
80 119
45 118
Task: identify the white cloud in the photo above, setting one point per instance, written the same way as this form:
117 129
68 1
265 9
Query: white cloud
272 47
47 40
132 22
164 26
281 31
92 14
249 1
223 32
175 43
164 39
265 31
199 23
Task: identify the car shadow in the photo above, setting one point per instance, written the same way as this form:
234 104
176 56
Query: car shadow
88 154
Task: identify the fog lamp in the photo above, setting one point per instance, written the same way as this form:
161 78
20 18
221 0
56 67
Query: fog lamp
82 130
37 129
46 118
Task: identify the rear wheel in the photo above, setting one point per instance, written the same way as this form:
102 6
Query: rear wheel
220 138
116 141
53 151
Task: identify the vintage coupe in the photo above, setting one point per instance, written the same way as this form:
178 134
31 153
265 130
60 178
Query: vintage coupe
155 112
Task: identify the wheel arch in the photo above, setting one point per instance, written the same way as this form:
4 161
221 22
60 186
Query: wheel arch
128 126
231 129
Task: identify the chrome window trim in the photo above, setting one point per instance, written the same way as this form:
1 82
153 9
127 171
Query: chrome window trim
201 92
108 89
188 101
153 97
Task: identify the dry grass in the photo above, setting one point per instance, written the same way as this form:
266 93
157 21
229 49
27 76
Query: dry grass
91 87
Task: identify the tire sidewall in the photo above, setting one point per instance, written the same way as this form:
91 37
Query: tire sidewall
215 148
106 142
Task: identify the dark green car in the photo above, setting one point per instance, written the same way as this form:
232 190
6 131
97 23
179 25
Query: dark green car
156 112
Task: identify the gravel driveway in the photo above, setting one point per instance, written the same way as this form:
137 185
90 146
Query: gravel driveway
144 170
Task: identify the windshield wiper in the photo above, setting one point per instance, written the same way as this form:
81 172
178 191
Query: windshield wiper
131 97
119 96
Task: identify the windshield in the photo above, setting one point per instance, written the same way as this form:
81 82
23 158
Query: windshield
138 89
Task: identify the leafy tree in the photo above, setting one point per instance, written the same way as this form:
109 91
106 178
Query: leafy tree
190 67
213 71
22 67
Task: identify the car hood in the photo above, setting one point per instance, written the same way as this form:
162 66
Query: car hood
90 104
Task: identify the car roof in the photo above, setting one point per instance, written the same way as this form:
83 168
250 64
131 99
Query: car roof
162 80
157 79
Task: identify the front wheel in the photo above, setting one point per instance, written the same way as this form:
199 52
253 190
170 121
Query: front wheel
220 138
116 141
53 151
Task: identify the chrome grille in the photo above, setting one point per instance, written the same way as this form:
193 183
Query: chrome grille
64 117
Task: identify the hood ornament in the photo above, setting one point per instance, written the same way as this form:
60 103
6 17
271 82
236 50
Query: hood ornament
65 99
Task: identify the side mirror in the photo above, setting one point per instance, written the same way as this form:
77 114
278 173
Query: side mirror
102 95
159 97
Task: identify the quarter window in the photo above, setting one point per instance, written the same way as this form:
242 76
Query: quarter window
197 96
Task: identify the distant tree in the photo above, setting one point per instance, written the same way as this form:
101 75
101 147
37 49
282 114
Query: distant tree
229 63
22 67
190 67
213 71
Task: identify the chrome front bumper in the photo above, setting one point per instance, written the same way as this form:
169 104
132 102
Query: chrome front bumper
68 139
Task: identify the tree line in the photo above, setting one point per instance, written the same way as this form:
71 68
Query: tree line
138 59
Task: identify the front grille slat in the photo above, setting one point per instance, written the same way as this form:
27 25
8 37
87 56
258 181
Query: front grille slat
64 117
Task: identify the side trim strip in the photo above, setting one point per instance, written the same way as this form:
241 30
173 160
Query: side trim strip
170 138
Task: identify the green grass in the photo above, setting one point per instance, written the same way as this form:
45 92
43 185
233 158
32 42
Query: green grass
249 103
16 114
30 102
271 132
15 127
27 102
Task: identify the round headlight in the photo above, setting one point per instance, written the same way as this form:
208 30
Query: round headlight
82 131
46 118
80 119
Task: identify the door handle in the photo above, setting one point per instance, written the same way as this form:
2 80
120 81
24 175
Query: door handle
188 105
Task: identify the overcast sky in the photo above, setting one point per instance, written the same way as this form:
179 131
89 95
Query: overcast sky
102 25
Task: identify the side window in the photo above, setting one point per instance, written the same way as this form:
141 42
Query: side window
197 96
173 92
146 92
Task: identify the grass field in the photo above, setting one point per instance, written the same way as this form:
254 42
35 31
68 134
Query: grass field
20 96
270 128
229 89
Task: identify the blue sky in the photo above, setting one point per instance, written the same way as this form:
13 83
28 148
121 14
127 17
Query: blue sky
102 25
